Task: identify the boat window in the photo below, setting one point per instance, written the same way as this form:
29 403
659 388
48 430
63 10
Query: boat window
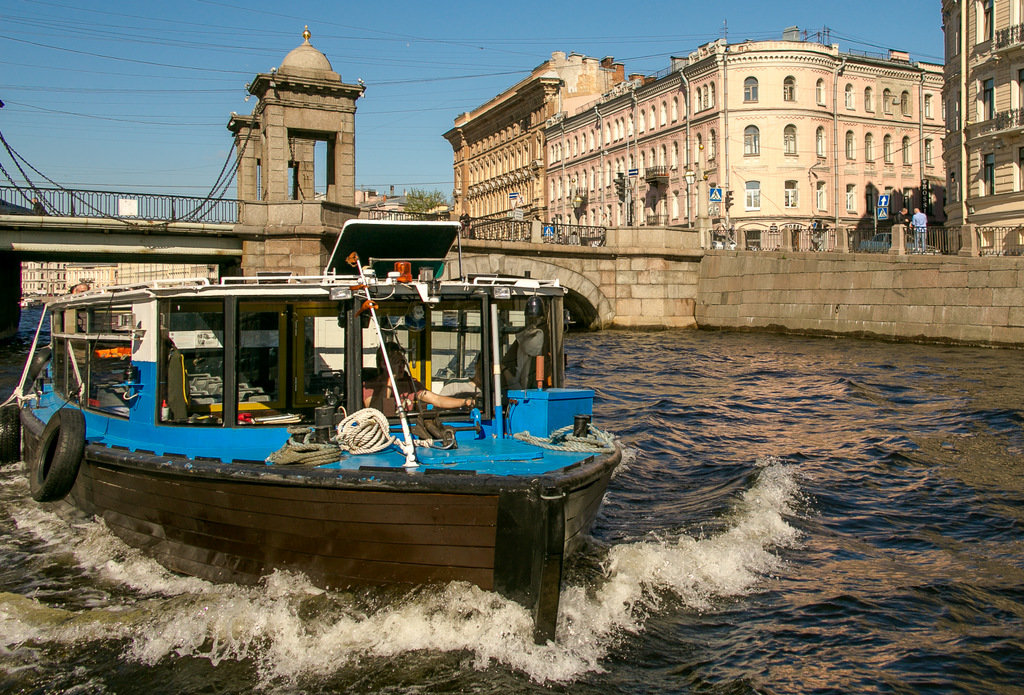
456 349
92 350
261 365
525 337
192 354
320 355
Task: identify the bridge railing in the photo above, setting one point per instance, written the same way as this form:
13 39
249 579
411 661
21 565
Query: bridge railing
61 202
574 235
497 230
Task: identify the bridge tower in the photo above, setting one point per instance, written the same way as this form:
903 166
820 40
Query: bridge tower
301 103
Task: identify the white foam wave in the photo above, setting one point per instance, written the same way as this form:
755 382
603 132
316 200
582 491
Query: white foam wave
293 630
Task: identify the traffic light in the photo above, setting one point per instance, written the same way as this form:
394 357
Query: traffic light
728 199
620 186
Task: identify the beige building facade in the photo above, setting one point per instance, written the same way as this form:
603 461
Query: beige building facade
984 98
791 131
500 156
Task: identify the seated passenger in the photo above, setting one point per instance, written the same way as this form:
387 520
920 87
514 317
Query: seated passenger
178 395
377 391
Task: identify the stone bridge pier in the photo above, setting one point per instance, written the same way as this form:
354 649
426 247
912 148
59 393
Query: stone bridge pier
643 277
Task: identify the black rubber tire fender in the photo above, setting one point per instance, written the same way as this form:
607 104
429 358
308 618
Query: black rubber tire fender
39 360
10 433
59 456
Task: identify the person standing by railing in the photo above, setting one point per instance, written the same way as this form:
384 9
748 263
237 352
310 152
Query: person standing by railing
920 224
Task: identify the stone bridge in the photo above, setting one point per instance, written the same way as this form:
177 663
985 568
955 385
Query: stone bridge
644 277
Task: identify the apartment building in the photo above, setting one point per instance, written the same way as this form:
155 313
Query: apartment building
500 157
790 131
984 98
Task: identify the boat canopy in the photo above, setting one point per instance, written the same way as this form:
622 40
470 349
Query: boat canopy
376 242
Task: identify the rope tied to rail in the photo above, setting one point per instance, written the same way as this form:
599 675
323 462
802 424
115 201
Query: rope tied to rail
563 439
365 431
302 451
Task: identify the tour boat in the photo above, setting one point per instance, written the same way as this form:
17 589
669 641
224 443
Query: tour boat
224 428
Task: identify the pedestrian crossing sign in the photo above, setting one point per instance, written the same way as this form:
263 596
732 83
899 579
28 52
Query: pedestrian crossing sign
715 195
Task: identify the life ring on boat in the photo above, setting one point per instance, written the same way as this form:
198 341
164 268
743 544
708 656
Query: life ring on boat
58 456
39 360
10 433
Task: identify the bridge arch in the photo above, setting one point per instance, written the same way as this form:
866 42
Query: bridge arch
585 300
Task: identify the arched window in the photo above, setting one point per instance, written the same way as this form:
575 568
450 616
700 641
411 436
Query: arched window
869 99
905 103
789 139
750 89
643 122
906 151
819 91
869 148
662 155
675 109
849 96
851 145
928 106
886 101
712 144
700 152
675 155
712 103
887 149
629 126
789 89
751 141
664 113
819 141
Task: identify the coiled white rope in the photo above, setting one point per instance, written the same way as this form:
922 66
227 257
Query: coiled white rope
365 431
563 440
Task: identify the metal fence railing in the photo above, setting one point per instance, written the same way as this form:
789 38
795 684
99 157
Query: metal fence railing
1001 241
497 230
62 202
574 235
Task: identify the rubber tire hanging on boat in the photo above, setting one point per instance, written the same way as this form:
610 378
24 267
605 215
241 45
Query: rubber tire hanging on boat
10 433
58 457
39 360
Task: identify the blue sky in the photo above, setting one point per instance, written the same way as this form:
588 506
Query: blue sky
135 96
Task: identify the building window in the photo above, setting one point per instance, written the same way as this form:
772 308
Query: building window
989 174
675 109
675 155
886 102
987 25
819 91
988 101
753 195
1020 168
849 97
700 151
664 113
928 106
851 146
653 116
869 100
851 198
750 89
821 194
928 152
869 148
887 149
789 89
712 144
819 142
642 126
905 103
906 151
789 139
751 141
791 200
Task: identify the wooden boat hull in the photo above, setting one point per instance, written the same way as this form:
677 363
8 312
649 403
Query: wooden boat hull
345 528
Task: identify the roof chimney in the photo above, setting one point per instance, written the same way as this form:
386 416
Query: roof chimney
791 33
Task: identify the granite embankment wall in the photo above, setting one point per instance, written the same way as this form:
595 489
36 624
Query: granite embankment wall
944 299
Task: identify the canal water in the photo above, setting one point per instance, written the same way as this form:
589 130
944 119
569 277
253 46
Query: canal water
795 515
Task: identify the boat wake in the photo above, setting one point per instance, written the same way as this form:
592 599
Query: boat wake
294 632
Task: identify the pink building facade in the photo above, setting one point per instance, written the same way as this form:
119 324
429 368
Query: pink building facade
791 132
